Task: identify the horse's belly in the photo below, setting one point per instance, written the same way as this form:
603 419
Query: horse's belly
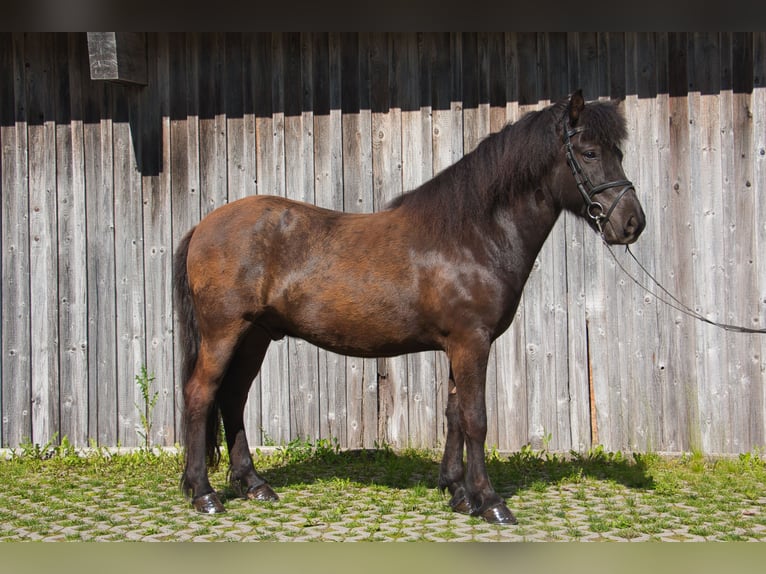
349 327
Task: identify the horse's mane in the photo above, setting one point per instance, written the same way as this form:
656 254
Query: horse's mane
504 165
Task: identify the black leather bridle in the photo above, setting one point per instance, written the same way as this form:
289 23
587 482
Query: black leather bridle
593 208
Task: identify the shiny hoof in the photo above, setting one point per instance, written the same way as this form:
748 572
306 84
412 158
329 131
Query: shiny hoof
262 492
459 501
208 504
499 514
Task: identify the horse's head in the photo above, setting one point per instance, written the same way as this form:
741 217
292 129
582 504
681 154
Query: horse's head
591 180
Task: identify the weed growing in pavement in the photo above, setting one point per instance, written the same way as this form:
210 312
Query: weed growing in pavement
144 383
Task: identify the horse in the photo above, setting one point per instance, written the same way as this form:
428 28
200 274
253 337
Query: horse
441 267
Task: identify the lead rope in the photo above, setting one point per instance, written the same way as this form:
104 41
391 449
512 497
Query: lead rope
673 301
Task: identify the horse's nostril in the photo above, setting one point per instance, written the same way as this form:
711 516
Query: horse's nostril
634 226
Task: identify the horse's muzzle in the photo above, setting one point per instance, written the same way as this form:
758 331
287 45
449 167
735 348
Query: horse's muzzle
628 232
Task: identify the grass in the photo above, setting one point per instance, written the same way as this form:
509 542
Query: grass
54 493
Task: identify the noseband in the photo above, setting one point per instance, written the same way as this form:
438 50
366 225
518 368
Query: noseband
593 208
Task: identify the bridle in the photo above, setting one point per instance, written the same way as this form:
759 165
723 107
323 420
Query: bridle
593 208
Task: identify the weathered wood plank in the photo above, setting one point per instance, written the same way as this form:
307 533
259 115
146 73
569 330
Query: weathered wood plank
299 185
740 230
72 254
16 297
183 71
356 125
213 173
387 184
328 189
705 146
252 91
118 56
680 392
447 148
129 266
417 168
270 162
510 364
472 70
43 252
571 352
758 107
158 249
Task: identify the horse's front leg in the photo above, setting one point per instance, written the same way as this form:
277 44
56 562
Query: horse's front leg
469 364
451 472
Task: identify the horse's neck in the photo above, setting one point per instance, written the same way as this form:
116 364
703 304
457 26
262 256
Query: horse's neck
524 226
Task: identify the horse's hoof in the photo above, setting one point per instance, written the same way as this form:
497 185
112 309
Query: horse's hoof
208 504
459 502
499 514
262 492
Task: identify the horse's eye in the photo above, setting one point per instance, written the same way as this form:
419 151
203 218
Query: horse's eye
590 154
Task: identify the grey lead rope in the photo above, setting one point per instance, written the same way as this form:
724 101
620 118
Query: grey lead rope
674 302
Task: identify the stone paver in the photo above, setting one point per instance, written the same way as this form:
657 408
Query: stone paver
568 518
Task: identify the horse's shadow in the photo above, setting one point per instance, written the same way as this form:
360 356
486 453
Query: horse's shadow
510 473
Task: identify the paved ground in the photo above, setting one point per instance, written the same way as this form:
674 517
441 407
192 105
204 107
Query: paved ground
328 502
567 513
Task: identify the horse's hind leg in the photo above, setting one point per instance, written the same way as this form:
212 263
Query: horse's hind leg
201 417
232 397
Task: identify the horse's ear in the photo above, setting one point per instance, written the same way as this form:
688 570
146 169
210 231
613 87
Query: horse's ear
576 105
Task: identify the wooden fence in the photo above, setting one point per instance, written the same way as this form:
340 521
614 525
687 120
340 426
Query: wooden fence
99 182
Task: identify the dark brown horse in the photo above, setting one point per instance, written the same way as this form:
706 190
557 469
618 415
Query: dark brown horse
442 267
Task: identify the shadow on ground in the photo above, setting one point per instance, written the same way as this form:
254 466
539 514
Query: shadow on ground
406 469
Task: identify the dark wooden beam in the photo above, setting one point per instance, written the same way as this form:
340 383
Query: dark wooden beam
118 57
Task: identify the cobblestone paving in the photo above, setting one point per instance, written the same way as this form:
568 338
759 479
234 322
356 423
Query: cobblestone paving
591 510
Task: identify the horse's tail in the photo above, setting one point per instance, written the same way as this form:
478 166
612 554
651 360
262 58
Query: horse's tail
189 345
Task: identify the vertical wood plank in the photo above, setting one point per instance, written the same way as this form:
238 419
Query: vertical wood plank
158 248
491 84
239 183
99 205
299 185
647 126
16 297
512 401
272 422
705 143
269 90
682 371
251 111
72 254
213 172
758 99
417 164
447 148
356 125
539 358
571 348
557 412
129 265
328 189
658 150
43 251
183 108
387 184
740 232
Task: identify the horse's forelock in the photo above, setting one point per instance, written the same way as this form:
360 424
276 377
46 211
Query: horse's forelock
604 124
